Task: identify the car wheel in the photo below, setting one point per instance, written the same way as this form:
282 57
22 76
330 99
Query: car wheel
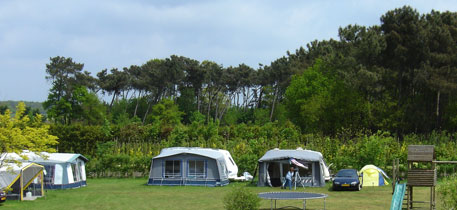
359 187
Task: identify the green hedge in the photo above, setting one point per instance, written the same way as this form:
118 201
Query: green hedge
124 150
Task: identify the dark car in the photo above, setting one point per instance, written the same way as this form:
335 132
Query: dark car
2 196
347 179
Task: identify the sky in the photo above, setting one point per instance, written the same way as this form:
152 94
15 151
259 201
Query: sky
105 34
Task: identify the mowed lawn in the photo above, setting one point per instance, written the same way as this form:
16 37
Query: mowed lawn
134 194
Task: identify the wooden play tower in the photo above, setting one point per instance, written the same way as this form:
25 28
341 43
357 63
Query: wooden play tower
421 173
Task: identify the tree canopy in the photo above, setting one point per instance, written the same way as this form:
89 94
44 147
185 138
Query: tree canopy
20 133
399 76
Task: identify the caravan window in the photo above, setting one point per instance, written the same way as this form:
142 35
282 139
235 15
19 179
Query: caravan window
197 168
233 163
172 168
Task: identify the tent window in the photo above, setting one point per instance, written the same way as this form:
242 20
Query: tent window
49 177
197 168
224 171
76 174
172 168
80 171
233 163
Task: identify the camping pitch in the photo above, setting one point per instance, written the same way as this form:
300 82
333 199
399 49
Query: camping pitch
373 176
274 165
189 166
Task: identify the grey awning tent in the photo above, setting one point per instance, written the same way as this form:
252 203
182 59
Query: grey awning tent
19 178
63 170
274 165
189 166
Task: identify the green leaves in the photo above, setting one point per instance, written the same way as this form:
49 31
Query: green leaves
20 133
241 198
448 192
67 81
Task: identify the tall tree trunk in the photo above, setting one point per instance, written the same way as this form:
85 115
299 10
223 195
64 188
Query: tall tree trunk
259 102
217 107
207 111
227 104
147 111
248 98
198 100
112 101
209 107
137 102
274 103
126 94
438 109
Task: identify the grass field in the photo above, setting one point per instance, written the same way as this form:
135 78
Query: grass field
134 194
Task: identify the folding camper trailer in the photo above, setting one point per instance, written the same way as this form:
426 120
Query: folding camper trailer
189 166
274 165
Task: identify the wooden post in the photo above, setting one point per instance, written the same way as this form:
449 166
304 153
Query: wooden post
408 201
412 198
398 168
42 179
394 177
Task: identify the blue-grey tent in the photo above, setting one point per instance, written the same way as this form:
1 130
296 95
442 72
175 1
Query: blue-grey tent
63 170
189 166
274 165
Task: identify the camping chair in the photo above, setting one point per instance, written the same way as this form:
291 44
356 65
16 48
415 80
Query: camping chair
299 181
305 181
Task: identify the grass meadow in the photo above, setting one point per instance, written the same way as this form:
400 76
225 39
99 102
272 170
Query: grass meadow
114 194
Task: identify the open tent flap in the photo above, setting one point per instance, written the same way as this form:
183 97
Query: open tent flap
31 172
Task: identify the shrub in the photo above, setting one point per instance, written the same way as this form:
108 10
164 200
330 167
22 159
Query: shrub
240 198
448 192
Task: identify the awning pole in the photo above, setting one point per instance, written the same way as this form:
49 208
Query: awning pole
280 171
42 179
22 185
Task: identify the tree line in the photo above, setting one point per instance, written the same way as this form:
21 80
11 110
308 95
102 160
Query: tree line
399 76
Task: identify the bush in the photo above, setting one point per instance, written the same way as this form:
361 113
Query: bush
240 198
448 192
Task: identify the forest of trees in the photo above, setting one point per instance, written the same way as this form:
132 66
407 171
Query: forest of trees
389 81
399 76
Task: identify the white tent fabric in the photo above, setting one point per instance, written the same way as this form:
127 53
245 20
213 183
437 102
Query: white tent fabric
306 155
65 170
18 177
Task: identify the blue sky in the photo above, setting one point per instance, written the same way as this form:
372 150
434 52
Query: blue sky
115 34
